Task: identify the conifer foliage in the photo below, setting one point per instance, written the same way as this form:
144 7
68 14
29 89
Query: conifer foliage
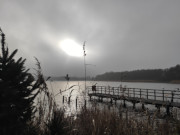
17 92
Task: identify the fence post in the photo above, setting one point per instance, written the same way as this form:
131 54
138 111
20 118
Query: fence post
154 94
134 92
147 93
140 93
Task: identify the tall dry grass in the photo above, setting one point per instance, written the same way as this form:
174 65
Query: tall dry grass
51 120
99 122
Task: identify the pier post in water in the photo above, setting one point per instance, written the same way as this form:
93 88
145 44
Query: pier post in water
172 96
167 110
69 100
63 99
85 103
76 103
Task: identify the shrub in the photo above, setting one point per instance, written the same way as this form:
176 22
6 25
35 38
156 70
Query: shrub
17 92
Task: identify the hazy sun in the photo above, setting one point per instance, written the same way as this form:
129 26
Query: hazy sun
71 48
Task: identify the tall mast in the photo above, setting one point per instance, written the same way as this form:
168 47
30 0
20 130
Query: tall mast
84 65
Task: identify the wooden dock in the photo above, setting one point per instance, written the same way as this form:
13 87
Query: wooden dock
157 97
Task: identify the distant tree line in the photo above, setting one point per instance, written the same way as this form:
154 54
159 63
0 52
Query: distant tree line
71 78
160 75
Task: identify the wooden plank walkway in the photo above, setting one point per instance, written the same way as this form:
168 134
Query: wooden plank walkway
166 98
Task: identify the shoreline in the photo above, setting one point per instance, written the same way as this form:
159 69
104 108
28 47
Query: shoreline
142 81
135 81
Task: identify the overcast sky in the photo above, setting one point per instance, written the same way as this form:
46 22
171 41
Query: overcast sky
120 34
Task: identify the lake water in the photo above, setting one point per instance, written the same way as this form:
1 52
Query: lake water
60 90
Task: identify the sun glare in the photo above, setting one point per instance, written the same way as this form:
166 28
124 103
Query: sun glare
71 48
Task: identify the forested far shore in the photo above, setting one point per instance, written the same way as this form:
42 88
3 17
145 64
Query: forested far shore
171 75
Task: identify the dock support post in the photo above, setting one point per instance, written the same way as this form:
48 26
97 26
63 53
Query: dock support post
99 99
124 105
134 105
163 94
111 101
143 108
158 108
167 110
172 97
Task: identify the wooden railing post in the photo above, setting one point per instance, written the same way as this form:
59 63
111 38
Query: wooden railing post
140 93
134 92
154 94
147 94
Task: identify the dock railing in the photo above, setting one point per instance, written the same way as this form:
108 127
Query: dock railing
151 94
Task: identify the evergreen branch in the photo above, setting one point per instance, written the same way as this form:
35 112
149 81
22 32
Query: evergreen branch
12 55
3 42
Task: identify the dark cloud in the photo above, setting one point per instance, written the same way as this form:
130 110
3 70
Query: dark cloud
120 35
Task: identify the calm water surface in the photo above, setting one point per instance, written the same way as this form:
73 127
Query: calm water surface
60 89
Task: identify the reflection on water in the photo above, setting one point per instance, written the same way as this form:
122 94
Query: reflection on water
77 92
